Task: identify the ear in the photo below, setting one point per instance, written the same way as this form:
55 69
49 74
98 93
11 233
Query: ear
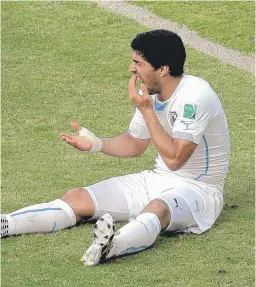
164 70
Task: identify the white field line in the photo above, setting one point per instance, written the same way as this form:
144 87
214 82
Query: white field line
190 38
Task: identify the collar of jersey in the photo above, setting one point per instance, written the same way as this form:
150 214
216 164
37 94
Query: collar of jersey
158 105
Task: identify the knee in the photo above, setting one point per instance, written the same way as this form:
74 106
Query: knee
161 210
74 194
80 201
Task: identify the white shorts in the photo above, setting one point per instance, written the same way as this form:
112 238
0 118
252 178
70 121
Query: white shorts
126 196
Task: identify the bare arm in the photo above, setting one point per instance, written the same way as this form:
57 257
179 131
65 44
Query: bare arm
124 145
174 152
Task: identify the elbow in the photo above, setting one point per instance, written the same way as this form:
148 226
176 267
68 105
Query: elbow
174 165
136 153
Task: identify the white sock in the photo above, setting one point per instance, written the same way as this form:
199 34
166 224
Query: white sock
44 217
135 236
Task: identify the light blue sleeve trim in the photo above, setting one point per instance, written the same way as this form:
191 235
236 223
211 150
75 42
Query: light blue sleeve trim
206 158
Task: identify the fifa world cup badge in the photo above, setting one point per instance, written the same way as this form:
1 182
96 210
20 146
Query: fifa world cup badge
189 111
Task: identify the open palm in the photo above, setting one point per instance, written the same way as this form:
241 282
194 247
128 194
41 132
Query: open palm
78 142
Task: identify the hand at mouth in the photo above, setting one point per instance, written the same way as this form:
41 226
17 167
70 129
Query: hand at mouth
138 77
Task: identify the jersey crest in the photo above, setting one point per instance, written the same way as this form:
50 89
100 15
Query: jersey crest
173 117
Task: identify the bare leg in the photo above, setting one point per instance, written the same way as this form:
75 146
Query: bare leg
161 210
80 201
51 216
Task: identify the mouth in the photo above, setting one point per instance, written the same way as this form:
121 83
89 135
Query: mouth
138 77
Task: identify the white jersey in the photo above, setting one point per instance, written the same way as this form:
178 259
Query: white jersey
194 113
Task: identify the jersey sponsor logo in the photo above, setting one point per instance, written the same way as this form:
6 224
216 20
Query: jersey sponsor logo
173 117
176 202
189 111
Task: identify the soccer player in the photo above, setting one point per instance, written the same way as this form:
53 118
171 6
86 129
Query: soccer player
184 119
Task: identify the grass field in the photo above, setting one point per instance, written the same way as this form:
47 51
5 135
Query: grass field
218 21
69 61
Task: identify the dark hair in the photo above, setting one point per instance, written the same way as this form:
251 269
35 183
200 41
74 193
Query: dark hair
161 48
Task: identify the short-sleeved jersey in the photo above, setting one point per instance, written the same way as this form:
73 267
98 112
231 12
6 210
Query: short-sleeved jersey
194 113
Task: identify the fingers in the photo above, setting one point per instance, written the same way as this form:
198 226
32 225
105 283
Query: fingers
67 138
69 141
144 89
63 136
132 82
132 88
76 126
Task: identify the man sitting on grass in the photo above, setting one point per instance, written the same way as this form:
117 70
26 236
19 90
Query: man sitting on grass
184 119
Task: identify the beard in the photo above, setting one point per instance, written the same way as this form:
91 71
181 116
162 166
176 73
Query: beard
153 90
152 87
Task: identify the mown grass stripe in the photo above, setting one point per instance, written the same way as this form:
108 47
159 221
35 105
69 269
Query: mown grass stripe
191 38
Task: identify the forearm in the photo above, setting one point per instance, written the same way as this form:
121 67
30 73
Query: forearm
162 141
123 146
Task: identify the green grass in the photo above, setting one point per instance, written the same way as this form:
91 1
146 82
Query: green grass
69 61
230 23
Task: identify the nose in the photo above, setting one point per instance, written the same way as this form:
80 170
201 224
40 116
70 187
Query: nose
132 68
